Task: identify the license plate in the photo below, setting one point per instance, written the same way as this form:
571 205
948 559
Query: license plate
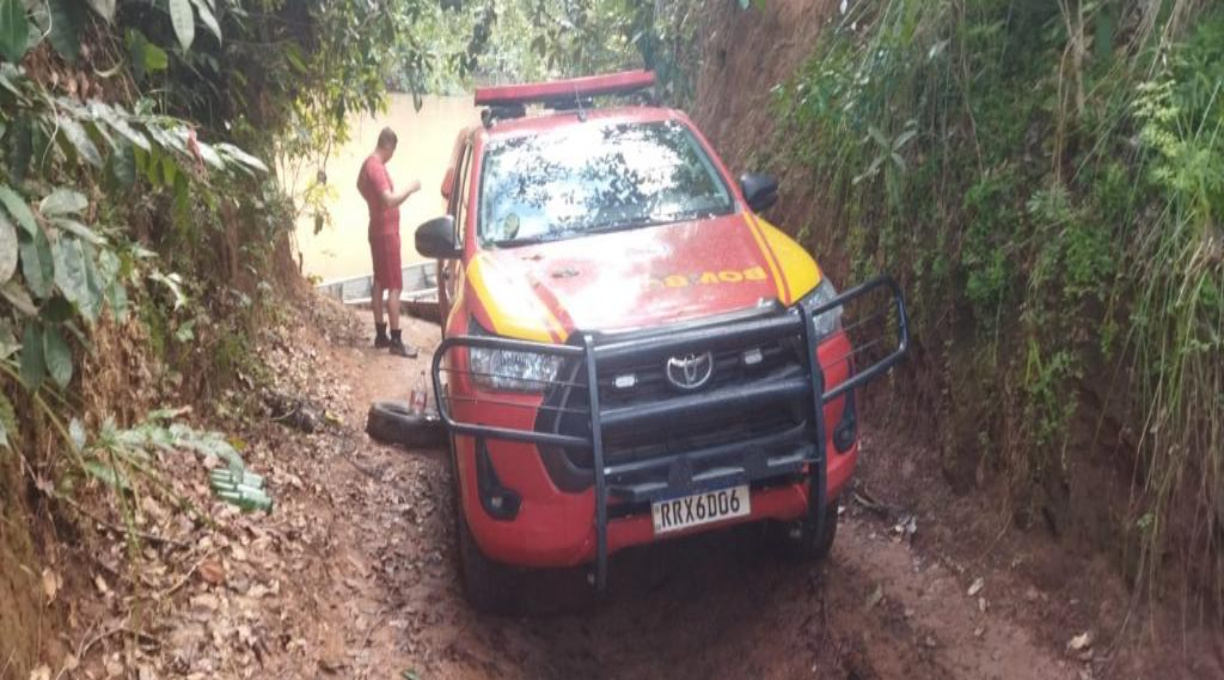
701 508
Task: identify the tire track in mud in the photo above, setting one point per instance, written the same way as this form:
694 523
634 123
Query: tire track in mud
711 606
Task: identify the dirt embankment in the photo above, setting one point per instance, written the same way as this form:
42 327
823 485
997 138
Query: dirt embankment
1072 550
21 623
745 56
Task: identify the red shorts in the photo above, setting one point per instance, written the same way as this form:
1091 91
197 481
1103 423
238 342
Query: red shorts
385 251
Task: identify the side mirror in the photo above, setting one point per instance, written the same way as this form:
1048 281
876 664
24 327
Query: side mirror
436 239
760 190
448 182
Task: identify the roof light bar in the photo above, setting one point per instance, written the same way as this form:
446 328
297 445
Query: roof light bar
565 91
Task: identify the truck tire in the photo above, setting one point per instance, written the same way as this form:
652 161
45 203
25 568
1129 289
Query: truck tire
795 542
393 422
489 587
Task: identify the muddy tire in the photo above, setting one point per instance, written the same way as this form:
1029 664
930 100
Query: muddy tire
796 542
392 422
489 587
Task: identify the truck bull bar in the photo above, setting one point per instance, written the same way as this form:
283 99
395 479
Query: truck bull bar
602 354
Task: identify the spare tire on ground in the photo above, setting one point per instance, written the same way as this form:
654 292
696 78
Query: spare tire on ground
393 422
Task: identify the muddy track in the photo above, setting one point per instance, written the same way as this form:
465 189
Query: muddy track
384 597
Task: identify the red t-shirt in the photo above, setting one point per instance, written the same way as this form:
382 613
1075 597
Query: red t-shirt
373 182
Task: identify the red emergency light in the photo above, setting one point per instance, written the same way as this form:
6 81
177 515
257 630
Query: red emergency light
565 91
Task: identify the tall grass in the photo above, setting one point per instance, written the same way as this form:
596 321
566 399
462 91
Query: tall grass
1048 178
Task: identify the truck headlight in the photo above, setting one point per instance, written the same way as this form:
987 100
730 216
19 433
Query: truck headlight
828 321
510 371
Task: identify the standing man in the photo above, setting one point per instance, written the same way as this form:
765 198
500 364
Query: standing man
375 186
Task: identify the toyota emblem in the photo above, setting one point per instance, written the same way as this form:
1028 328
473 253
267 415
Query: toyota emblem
690 372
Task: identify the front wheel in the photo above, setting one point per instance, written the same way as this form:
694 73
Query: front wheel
796 541
489 587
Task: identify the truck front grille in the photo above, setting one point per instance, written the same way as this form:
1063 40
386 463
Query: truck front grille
566 410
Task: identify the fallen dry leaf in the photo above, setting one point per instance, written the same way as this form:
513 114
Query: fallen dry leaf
212 571
874 598
1080 642
50 584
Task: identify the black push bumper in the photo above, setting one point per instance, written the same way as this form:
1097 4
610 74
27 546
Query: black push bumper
793 451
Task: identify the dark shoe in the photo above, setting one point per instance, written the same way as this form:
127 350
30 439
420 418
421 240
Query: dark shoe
381 342
398 348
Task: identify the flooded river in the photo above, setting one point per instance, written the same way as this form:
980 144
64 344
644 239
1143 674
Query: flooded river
426 138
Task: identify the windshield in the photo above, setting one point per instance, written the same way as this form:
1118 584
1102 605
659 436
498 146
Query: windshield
590 178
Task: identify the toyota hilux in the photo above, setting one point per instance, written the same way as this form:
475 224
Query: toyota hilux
631 352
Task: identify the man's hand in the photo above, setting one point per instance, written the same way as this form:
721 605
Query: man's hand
393 200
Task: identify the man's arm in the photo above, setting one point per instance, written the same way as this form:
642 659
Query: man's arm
392 199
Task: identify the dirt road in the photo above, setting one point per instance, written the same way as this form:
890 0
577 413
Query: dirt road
353 576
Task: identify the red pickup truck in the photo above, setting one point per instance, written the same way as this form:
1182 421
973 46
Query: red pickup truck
631 353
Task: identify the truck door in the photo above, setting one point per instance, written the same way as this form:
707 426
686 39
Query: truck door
457 207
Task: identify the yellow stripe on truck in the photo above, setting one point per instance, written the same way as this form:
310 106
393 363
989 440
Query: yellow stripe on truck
754 227
800 270
519 315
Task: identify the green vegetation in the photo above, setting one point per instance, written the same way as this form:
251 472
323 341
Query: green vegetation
146 153
1048 179
457 44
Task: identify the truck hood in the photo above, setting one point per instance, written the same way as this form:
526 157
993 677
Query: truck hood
637 278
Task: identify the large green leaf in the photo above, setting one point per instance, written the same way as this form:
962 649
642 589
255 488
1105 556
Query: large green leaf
38 264
116 120
76 134
8 421
208 18
117 299
210 156
8 248
109 267
71 274
58 356
104 8
66 28
175 140
97 289
136 44
63 201
155 58
123 165
57 310
183 20
77 229
18 208
33 369
242 157
14 30
18 297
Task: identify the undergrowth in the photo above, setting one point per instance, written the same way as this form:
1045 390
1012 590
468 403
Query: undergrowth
1048 179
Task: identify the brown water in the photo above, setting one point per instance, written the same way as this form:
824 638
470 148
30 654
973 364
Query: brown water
426 139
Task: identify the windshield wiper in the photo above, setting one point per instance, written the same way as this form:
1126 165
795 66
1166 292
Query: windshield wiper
526 240
625 224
